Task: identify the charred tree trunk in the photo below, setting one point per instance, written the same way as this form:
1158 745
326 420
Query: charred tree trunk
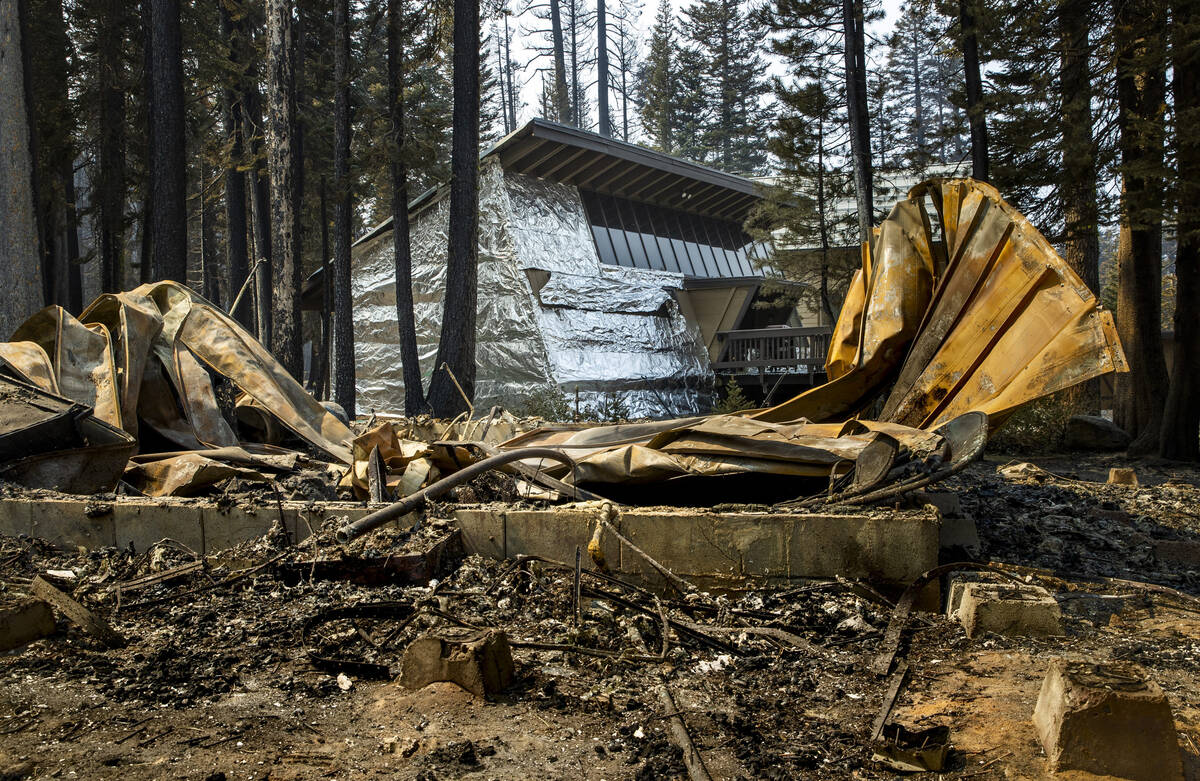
110 172
562 101
414 389
974 84
1081 214
49 50
1180 436
856 97
168 170
321 384
508 69
210 275
343 314
18 221
1141 93
456 347
602 69
260 210
281 162
236 251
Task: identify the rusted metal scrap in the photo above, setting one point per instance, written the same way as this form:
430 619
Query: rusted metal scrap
147 357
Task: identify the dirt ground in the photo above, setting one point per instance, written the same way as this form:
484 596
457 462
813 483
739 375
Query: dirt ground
218 679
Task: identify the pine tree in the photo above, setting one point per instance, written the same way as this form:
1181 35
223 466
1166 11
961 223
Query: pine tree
811 141
456 346
658 88
1140 66
922 72
1180 436
725 40
626 55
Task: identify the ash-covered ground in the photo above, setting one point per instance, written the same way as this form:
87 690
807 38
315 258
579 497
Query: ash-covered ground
218 678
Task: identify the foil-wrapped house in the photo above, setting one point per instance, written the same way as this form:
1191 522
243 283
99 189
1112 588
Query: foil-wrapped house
606 269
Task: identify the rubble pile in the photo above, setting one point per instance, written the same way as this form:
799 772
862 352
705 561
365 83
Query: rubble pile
279 660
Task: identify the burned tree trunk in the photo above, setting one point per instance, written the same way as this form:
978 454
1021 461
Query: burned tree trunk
343 316
260 211
1079 203
236 252
856 98
18 222
110 176
602 68
281 162
168 169
456 347
1180 436
49 50
414 389
1141 93
562 101
974 84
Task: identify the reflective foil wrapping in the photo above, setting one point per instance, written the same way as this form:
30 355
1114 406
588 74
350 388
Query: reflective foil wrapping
549 311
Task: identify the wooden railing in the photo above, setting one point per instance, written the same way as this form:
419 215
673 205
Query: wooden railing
777 349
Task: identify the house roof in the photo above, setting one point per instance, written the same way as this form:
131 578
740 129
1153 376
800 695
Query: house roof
565 154
561 153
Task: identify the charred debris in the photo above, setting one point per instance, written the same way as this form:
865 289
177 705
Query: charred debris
838 586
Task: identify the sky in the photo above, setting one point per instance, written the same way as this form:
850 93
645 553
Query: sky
530 81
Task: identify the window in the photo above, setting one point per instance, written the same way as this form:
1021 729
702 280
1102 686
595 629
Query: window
653 237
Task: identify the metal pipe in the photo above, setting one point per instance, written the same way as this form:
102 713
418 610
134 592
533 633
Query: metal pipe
418 499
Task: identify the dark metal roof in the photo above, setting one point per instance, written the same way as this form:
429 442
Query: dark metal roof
561 153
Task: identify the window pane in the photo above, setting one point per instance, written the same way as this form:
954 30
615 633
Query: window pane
694 229
641 214
613 220
707 229
632 235
671 225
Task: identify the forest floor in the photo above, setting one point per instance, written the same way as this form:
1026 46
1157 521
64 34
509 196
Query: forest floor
218 678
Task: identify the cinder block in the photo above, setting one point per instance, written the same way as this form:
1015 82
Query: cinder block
24 622
1005 608
1122 476
478 660
1107 718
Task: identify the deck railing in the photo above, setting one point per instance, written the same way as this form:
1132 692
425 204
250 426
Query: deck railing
800 350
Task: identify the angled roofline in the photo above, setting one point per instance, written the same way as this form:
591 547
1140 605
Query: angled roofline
568 135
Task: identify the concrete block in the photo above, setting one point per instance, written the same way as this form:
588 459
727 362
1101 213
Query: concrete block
24 622
478 660
885 547
482 531
144 523
68 523
1107 718
556 533
947 502
959 583
16 517
1122 476
1007 609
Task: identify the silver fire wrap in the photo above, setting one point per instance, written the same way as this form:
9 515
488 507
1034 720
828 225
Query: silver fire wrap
549 311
